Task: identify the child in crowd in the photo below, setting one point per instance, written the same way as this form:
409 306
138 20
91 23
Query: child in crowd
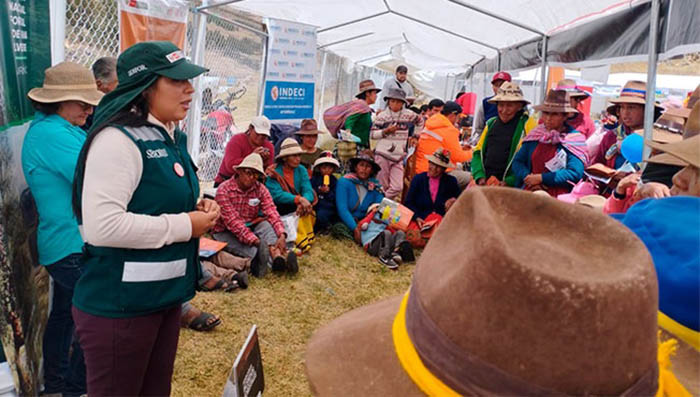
324 182
376 235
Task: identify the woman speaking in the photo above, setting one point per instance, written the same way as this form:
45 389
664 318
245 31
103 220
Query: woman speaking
135 194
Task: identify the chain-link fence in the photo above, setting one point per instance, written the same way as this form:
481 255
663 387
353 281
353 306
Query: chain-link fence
230 91
92 30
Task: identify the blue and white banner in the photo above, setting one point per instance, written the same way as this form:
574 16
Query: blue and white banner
290 73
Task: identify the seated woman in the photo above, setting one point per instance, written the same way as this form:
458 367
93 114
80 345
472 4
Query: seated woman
324 184
430 196
309 135
356 191
553 155
291 190
249 221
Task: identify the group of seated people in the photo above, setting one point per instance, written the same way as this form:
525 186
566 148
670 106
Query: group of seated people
549 155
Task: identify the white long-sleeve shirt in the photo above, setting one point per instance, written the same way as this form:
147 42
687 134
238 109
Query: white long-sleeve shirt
113 171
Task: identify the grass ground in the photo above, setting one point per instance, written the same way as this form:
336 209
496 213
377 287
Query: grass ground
335 277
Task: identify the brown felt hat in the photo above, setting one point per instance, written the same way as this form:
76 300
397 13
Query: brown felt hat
682 153
685 111
556 101
541 303
572 88
367 85
67 81
308 127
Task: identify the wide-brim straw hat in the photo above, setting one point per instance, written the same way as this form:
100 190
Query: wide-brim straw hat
509 92
556 101
326 158
595 201
367 85
309 127
395 93
496 315
633 92
67 81
364 157
572 88
441 157
289 147
682 153
254 162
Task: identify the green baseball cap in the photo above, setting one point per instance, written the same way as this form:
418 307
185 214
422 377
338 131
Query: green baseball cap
160 57
137 69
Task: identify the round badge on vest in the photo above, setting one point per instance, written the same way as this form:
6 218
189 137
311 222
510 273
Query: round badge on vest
179 170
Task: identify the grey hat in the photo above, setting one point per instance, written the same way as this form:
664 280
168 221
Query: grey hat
395 93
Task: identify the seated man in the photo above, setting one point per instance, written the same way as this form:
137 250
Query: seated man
255 140
249 221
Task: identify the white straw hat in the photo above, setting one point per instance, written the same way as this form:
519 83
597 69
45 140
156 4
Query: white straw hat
252 161
289 147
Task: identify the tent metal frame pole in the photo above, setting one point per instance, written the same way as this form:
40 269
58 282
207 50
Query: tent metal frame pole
543 90
498 17
195 120
651 76
359 36
215 5
373 57
340 25
430 25
263 75
323 83
236 23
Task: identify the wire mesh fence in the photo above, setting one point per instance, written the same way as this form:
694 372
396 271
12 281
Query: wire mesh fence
92 30
230 91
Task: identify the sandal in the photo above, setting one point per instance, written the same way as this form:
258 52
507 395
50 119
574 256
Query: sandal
221 284
203 322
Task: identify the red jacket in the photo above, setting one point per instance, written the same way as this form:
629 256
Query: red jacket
236 150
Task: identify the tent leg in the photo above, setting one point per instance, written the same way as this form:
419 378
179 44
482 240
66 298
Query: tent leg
321 87
651 75
195 119
543 90
263 76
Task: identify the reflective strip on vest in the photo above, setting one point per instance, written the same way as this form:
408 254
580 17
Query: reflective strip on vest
153 271
433 134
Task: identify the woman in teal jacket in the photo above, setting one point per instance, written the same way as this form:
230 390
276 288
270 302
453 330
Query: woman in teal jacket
49 156
356 191
289 183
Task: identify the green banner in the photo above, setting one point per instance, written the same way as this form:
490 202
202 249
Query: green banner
25 46
25 52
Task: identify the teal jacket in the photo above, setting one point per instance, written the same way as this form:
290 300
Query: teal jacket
49 156
285 196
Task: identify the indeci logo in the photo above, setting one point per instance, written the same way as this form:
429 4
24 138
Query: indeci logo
274 93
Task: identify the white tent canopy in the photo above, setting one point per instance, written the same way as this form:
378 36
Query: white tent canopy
448 37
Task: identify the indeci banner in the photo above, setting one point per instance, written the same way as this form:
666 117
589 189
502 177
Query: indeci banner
25 52
290 71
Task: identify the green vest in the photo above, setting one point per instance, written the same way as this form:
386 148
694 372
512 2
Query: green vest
121 282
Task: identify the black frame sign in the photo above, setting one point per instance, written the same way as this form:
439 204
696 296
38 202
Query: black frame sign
246 377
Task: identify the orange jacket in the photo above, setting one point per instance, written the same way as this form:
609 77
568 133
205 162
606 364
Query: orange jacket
439 133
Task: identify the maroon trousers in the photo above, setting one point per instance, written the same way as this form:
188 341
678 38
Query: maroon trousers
129 356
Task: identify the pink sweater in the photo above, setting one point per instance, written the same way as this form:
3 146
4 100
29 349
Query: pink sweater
619 206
